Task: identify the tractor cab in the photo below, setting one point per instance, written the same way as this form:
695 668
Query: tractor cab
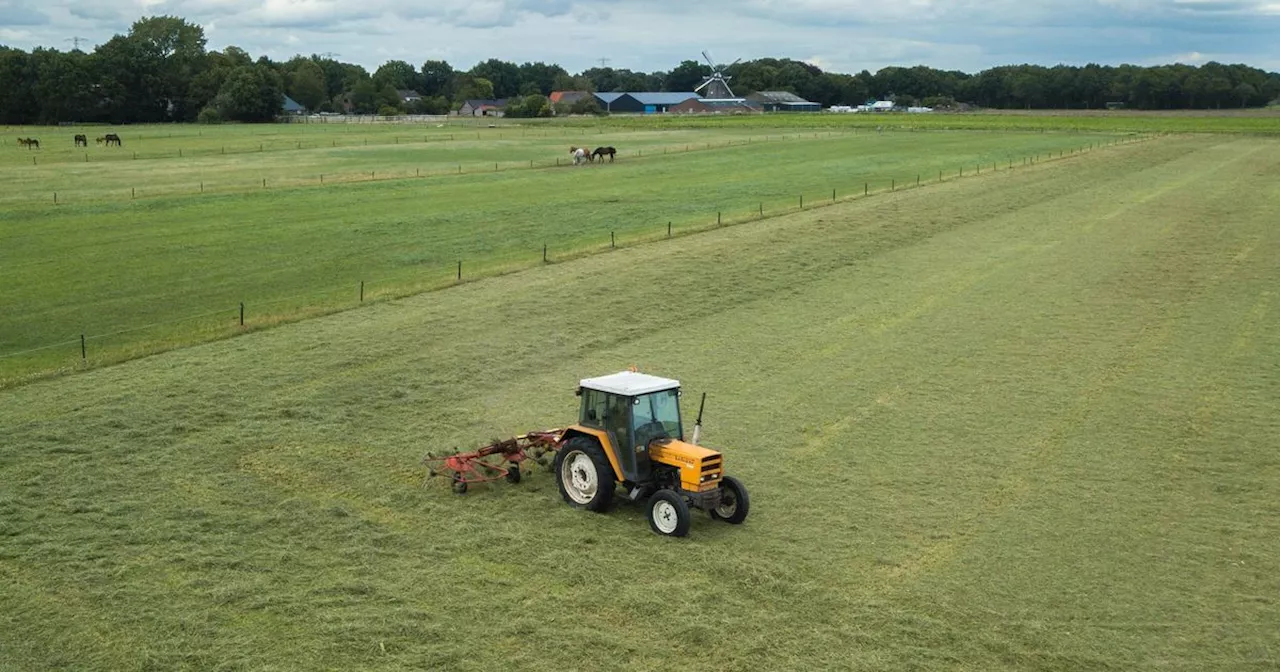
633 409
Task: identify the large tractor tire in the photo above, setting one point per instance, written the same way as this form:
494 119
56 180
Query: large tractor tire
584 475
668 514
734 502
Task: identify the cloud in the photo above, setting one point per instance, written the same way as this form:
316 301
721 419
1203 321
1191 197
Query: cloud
649 35
13 13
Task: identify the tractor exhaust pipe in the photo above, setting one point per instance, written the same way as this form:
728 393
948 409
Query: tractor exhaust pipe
697 424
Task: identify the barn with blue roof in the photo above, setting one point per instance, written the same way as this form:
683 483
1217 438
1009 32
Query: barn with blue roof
643 102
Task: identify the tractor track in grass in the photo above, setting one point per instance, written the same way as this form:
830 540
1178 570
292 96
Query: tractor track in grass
984 425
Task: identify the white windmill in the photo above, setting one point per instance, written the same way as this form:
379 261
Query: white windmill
717 84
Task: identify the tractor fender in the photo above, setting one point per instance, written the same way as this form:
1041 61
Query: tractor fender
601 437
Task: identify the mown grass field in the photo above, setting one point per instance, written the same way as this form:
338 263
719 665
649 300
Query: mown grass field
140 255
1025 422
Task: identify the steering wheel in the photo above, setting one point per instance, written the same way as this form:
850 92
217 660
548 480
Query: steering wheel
650 431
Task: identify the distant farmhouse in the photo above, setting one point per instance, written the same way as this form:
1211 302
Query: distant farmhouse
682 102
291 106
482 108
408 95
643 102
713 106
568 97
782 101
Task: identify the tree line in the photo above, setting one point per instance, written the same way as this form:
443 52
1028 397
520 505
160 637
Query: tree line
161 71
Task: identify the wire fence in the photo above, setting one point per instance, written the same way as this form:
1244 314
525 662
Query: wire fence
223 187
77 352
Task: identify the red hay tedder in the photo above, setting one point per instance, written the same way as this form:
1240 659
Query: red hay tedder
500 459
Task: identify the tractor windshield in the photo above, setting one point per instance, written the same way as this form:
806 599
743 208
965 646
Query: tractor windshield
656 416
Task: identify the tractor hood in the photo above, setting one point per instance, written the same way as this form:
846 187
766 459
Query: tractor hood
676 451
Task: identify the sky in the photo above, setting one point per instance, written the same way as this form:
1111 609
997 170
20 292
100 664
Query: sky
648 35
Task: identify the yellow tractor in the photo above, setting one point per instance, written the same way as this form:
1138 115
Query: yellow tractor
630 433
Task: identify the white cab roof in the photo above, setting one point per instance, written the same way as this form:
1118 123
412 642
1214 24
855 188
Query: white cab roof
629 383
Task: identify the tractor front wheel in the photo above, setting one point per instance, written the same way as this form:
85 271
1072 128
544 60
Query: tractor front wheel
583 475
668 514
734 502
459 484
513 473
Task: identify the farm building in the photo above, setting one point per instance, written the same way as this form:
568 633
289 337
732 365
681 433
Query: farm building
783 101
291 106
643 102
714 106
482 108
408 95
568 97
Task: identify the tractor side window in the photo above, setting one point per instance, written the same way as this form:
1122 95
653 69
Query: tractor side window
593 408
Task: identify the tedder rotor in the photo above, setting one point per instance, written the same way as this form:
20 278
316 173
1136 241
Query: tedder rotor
630 434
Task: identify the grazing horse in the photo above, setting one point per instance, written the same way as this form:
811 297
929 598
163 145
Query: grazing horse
601 151
112 139
578 153
82 141
100 140
29 143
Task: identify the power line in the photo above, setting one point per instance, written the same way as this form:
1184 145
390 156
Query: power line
75 40
604 62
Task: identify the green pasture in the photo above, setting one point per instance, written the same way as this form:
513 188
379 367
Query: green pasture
1024 422
137 269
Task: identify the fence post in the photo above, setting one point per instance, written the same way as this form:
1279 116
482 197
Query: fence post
833 195
802 201
893 184
202 187
866 188
612 242
133 192
55 198
242 313
459 269
668 229
917 179
83 353
544 253
264 183
717 214
762 209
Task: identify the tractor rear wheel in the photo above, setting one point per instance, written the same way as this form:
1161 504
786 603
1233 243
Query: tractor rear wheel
459 484
668 514
583 475
734 502
513 473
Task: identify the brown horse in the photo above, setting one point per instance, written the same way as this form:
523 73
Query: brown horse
112 139
602 151
29 143
82 141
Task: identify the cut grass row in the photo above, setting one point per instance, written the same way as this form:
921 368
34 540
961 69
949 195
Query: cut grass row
1014 423
143 276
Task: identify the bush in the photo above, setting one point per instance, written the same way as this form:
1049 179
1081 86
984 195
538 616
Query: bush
209 115
587 105
389 111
